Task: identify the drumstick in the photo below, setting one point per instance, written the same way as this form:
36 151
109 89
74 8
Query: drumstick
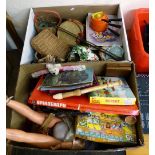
79 92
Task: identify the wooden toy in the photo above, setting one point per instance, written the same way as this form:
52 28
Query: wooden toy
79 92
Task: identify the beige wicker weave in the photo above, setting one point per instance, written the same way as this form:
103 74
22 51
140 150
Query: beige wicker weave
47 43
72 26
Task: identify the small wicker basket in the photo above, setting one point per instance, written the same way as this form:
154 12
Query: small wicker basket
46 19
72 26
46 43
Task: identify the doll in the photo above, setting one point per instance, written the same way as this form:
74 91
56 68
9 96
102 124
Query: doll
62 140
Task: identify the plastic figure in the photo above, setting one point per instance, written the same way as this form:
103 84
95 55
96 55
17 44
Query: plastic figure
62 140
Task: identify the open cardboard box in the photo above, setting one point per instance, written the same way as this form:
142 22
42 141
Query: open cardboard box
78 12
124 69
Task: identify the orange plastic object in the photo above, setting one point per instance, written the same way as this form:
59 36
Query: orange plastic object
138 54
96 22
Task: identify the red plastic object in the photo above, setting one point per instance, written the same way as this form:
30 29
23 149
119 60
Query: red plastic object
138 54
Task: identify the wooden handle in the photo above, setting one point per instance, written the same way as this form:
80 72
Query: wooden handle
117 19
32 115
115 25
79 92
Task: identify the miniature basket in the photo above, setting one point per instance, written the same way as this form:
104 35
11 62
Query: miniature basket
72 26
46 19
46 43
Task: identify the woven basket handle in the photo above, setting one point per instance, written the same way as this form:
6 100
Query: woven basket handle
78 23
81 34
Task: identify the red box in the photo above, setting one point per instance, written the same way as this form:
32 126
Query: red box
138 54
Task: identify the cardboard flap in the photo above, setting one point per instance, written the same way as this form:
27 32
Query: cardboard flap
72 11
119 69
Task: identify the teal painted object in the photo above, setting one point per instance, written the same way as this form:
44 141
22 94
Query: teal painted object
117 50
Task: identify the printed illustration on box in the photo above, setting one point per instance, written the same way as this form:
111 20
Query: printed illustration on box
120 95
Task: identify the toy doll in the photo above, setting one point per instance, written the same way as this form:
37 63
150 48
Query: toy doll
62 138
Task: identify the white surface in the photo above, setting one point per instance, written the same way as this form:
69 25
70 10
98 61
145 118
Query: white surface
19 9
124 35
28 53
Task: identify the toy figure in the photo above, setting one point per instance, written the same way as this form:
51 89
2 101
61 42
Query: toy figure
54 69
63 136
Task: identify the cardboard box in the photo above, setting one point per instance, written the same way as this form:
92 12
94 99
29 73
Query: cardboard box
125 69
78 12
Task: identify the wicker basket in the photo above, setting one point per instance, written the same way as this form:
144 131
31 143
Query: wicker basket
72 26
47 43
46 19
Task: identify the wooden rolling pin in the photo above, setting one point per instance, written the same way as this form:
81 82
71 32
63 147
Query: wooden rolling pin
79 92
